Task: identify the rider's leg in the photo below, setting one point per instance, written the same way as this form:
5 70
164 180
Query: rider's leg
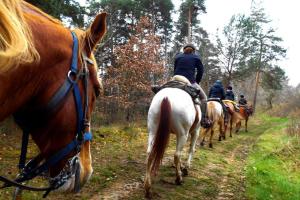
203 98
225 112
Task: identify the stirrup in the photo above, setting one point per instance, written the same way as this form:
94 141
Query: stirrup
205 122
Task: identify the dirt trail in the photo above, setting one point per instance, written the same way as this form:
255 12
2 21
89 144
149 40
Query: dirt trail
119 168
224 167
233 181
119 190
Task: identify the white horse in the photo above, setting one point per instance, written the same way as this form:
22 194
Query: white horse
172 110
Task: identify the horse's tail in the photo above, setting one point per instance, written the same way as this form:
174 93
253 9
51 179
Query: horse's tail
161 137
16 45
210 111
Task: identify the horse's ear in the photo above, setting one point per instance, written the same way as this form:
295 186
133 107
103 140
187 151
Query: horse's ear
95 32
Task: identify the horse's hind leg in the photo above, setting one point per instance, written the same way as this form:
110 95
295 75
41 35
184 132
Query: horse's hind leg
238 126
231 121
181 140
211 136
222 132
147 182
194 137
246 125
204 135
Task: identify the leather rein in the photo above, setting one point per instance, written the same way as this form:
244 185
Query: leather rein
38 166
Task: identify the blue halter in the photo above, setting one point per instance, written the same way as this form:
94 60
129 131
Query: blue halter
34 167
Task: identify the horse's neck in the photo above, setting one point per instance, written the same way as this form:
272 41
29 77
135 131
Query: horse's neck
23 82
13 90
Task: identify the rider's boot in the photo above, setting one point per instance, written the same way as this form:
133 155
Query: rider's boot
205 122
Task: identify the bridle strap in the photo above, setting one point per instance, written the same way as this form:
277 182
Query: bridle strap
19 185
34 167
22 159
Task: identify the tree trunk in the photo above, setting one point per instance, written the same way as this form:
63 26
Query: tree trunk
189 25
256 89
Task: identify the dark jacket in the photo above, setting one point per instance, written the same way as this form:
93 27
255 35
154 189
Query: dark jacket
229 95
243 101
217 91
186 65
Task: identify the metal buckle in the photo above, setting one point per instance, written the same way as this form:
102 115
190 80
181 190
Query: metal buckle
72 76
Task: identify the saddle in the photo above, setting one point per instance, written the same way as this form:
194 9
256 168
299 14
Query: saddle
193 92
247 109
235 105
214 99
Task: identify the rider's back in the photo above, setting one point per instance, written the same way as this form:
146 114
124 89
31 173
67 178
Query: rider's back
186 64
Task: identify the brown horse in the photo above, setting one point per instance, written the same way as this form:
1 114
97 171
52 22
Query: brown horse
235 117
244 111
216 116
36 53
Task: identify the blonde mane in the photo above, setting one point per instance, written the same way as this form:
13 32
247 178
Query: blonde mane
16 44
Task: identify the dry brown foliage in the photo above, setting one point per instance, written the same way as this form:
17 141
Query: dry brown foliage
138 66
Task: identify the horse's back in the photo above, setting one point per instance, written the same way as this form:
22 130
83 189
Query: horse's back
182 106
214 110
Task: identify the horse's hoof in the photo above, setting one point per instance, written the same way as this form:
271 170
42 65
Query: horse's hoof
178 181
230 136
246 131
148 195
224 137
210 145
202 144
184 172
220 139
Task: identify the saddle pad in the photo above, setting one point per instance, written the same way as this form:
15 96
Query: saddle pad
193 92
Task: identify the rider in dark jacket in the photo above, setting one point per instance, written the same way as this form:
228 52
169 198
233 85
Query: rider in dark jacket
229 94
189 65
217 91
242 100
186 64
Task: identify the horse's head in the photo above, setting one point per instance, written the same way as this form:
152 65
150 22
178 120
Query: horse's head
47 104
67 114
87 42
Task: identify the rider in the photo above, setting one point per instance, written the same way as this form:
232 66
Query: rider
242 100
229 95
217 91
189 65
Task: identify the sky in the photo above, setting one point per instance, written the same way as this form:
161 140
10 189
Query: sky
285 18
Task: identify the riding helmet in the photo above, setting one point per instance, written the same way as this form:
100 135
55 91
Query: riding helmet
189 45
